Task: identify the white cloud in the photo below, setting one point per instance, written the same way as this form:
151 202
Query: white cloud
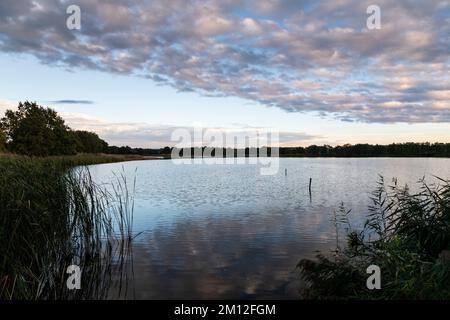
6 105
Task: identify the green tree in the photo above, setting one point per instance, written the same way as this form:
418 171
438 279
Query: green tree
2 140
37 131
90 142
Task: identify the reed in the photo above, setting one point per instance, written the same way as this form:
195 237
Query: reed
406 234
53 216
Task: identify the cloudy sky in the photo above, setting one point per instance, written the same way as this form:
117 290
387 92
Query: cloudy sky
137 70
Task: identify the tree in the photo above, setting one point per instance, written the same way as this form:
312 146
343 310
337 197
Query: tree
37 131
90 142
2 140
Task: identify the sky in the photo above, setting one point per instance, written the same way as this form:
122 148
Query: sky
138 70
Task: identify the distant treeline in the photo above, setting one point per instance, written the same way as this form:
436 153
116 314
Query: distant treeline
409 149
163 152
34 130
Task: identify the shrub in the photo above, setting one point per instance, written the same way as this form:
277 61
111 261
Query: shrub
405 235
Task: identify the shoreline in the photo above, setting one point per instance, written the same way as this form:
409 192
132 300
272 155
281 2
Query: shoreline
79 159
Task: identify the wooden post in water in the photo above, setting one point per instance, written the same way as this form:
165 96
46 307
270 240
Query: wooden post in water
310 181
285 172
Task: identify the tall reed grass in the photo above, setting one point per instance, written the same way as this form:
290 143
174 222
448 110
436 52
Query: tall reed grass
407 234
53 216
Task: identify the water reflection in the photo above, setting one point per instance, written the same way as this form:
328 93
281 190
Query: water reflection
226 257
225 231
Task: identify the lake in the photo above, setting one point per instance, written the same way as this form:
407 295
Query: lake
217 231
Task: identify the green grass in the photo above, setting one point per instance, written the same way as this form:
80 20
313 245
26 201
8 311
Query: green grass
406 234
72 161
53 216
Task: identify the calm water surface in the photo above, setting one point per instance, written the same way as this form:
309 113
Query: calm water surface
226 231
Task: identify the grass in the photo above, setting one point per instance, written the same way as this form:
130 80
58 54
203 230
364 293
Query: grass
53 216
75 160
406 234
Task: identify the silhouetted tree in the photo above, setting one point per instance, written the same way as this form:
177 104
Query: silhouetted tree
166 150
90 142
37 131
2 140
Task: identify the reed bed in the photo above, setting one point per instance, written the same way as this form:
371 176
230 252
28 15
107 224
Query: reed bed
52 216
407 234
